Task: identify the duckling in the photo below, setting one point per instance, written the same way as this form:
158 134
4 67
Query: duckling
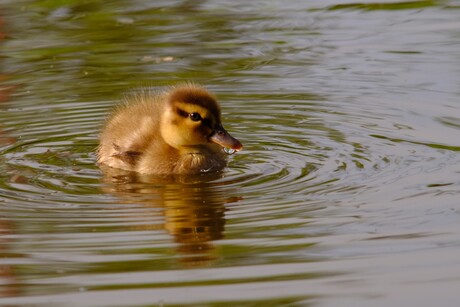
175 132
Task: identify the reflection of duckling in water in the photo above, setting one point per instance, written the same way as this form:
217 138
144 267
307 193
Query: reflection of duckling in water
175 132
193 209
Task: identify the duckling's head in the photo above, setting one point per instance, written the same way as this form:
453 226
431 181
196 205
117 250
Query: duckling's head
192 120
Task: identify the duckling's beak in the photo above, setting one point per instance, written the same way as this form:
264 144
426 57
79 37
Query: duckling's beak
223 138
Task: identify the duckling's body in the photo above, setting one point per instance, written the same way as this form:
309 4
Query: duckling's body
175 132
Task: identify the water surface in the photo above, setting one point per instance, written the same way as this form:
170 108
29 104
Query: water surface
346 192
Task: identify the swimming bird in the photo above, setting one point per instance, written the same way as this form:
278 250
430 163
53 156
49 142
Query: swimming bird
175 132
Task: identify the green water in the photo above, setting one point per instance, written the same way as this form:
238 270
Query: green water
346 192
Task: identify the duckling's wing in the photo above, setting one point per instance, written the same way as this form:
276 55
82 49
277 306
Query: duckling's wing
129 157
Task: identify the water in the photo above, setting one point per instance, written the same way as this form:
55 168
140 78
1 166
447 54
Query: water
345 194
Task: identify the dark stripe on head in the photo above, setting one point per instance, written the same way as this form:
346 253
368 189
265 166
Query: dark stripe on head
196 96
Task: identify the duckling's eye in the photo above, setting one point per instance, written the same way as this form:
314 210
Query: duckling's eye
195 117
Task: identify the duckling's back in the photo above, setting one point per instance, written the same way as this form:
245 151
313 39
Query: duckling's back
131 128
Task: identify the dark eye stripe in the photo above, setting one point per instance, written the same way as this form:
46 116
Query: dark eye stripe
207 122
181 112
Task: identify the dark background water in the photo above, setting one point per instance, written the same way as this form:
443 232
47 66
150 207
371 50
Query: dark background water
346 193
